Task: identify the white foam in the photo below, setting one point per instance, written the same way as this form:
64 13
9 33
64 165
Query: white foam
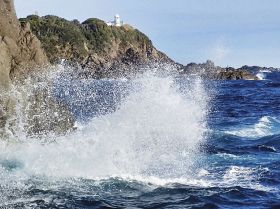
156 131
228 156
265 71
261 76
245 177
266 126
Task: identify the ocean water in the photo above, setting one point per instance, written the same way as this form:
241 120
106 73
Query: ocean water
153 142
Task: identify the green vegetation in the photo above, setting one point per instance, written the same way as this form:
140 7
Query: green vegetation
56 33
74 41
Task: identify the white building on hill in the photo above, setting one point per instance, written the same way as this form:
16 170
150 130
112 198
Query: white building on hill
117 21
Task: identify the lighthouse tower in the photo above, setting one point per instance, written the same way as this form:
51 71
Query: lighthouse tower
118 20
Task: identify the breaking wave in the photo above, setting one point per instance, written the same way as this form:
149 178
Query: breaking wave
155 130
266 126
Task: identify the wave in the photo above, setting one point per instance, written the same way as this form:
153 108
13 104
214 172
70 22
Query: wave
261 76
155 131
152 136
266 126
16 186
264 74
245 177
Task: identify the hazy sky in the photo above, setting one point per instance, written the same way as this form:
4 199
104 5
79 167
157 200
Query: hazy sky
230 32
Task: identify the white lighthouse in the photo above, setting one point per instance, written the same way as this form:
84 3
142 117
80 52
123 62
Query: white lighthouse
117 21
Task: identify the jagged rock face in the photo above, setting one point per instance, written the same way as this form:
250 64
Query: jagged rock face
30 56
5 65
9 25
20 50
20 55
9 30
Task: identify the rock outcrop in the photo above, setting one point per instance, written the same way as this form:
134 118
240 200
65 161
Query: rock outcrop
20 50
208 70
101 50
46 115
258 68
20 55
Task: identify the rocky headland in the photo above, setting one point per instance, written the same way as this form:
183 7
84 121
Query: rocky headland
102 51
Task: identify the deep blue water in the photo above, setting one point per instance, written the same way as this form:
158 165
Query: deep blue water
237 165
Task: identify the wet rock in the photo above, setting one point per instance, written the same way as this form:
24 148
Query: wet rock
21 54
208 70
236 75
47 115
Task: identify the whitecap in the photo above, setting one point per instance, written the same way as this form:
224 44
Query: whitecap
266 126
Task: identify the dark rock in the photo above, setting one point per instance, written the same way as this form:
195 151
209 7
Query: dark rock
208 70
236 75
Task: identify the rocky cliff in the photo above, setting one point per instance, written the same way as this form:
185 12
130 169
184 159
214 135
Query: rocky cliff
26 46
20 55
20 50
105 51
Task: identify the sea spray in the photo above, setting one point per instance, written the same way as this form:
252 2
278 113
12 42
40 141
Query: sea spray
33 110
156 131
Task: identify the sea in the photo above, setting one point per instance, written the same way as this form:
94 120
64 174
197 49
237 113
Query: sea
155 141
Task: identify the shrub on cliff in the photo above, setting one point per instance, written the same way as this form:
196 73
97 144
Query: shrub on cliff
74 41
57 36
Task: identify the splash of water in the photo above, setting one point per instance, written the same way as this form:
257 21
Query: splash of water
261 76
155 131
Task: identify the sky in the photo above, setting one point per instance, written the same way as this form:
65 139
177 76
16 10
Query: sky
229 32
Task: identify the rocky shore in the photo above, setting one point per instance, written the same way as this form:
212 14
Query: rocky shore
208 70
